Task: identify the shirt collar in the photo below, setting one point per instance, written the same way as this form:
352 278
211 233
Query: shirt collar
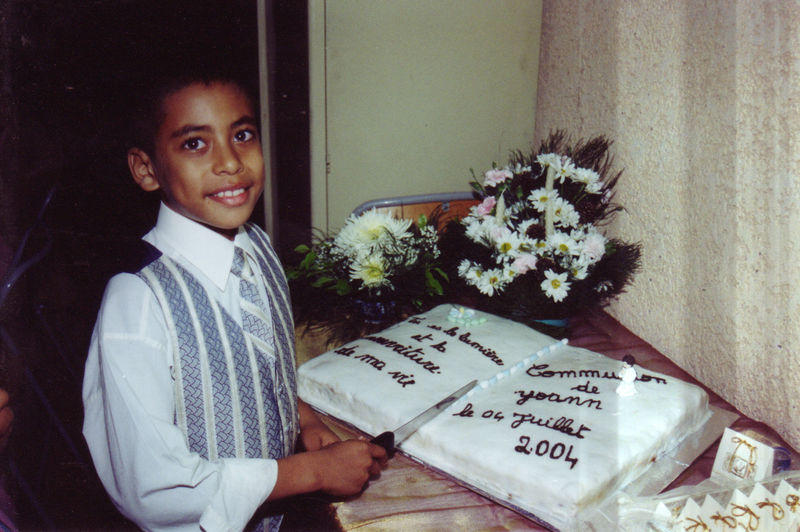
204 248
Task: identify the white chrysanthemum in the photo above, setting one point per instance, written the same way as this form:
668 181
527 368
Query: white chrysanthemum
563 244
540 197
370 270
371 229
555 285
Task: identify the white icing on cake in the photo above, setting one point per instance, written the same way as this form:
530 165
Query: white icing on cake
544 431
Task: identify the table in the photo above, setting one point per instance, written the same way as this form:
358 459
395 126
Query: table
408 496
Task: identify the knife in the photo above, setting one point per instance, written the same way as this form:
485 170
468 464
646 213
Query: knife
390 439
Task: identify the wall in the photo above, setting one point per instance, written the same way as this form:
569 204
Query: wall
702 101
407 96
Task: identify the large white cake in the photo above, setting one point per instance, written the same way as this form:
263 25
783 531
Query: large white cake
545 431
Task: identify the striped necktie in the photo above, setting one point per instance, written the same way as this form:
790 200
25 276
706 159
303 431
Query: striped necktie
255 313
257 325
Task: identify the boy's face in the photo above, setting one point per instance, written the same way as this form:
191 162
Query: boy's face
207 162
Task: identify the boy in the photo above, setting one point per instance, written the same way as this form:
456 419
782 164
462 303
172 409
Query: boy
191 415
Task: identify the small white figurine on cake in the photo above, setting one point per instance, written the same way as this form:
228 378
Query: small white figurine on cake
464 316
627 388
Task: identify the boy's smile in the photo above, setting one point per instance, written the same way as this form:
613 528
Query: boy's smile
208 161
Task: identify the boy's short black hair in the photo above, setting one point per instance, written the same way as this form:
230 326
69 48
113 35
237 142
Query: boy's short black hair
148 95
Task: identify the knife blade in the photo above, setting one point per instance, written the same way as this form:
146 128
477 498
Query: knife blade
390 439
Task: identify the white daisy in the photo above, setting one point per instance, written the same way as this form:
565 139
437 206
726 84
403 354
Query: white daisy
491 281
594 188
555 285
479 230
540 197
579 269
507 245
473 274
549 159
463 268
566 169
564 213
541 247
588 177
562 244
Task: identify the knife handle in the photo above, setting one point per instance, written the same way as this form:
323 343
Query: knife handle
385 440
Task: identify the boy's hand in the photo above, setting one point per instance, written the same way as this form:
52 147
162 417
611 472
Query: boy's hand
313 432
346 466
336 467
316 436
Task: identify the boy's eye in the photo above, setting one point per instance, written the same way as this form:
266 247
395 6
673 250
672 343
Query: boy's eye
193 144
244 135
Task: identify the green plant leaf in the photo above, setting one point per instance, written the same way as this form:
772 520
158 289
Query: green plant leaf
342 288
433 286
308 260
322 281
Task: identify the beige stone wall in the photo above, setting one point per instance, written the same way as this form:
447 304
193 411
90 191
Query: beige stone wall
702 100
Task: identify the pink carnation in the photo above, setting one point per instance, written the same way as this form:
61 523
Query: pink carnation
594 247
523 264
486 206
495 176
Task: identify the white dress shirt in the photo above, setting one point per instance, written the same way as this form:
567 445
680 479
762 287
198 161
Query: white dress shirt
140 455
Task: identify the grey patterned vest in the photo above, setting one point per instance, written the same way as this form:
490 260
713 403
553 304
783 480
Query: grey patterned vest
232 400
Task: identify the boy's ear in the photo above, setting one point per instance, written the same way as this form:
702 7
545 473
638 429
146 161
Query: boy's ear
141 166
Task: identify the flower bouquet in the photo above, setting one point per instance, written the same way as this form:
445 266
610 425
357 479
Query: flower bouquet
376 269
533 248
